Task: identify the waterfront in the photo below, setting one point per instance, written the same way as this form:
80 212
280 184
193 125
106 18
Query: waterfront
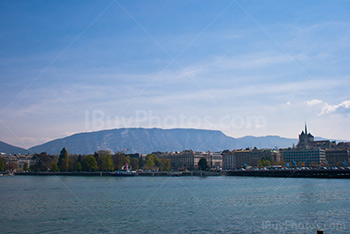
61 204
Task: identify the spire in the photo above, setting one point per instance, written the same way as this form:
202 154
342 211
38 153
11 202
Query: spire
305 129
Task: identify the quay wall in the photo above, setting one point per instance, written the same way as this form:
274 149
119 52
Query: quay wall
258 173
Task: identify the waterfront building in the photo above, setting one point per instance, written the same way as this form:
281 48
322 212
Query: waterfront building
243 158
336 157
16 162
248 157
307 141
305 157
343 145
215 160
228 160
188 159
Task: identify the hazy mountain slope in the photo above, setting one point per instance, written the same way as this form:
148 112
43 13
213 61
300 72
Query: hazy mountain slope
10 149
265 142
149 140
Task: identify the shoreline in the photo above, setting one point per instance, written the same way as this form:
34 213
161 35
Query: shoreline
345 174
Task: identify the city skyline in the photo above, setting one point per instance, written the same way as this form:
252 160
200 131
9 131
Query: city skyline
244 68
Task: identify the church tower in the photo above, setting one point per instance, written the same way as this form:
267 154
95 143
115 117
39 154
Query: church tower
304 139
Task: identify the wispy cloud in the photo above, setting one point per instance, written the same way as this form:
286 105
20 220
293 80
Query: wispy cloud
313 102
343 107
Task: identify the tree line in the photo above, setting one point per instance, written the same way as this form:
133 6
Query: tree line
99 161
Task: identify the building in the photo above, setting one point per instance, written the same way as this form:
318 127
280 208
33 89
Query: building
16 162
343 145
188 159
215 160
244 158
228 160
337 157
304 157
249 157
307 141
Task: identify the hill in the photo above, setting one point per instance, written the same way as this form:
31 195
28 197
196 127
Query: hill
144 140
10 149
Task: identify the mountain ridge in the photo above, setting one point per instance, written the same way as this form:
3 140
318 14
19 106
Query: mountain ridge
11 149
147 140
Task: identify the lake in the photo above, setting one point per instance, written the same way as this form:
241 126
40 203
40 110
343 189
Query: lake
68 204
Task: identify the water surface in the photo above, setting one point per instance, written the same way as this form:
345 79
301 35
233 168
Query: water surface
59 204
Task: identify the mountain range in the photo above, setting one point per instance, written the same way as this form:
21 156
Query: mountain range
10 149
143 140
147 140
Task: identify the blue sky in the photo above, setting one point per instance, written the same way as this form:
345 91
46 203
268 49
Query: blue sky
242 67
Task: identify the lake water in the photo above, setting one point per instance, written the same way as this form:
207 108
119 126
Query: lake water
58 204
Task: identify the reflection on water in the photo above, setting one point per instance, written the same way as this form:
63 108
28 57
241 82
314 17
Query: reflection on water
173 205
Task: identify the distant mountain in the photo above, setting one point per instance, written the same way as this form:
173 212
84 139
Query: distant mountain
10 149
268 142
143 140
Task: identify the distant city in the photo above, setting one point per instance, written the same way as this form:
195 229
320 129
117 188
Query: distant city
307 153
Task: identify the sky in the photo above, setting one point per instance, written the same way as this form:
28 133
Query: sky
243 67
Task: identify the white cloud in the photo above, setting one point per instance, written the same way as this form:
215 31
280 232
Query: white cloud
344 106
313 102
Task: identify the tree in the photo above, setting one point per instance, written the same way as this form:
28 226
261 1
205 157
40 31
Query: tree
165 164
157 161
127 160
90 163
150 161
63 160
11 166
2 164
106 163
54 167
202 164
118 160
42 162
264 162
77 166
99 156
25 167
134 163
141 162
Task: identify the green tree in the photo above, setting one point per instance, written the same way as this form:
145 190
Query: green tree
89 163
134 163
150 161
165 164
2 164
42 162
54 167
99 156
127 160
63 160
157 161
107 163
77 166
203 164
25 167
80 158
264 163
